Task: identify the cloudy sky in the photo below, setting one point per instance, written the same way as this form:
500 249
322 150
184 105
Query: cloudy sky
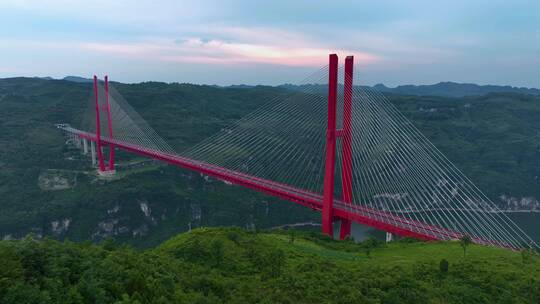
271 42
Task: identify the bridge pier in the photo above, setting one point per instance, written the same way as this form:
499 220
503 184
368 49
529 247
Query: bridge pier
107 173
75 140
93 152
71 139
85 146
389 237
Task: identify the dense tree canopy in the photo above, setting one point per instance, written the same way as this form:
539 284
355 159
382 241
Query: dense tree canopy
230 265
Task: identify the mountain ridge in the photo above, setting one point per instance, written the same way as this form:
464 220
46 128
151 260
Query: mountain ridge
443 88
454 89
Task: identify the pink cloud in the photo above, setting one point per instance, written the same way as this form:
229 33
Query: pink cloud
223 52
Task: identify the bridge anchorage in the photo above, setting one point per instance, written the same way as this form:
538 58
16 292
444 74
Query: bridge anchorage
325 143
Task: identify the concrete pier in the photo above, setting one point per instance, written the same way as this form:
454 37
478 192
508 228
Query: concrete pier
93 151
107 173
85 146
389 237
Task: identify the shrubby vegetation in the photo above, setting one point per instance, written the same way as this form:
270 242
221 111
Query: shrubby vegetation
231 265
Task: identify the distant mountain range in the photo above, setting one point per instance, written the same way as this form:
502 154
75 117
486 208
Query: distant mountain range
445 89
77 79
50 189
453 89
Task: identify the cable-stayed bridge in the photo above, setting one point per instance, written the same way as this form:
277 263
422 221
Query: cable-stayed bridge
326 144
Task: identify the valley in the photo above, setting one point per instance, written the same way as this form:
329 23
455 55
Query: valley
48 188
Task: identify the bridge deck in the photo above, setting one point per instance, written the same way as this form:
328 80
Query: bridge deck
361 214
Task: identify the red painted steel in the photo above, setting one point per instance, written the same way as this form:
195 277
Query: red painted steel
329 167
346 144
109 123
98 128
361 214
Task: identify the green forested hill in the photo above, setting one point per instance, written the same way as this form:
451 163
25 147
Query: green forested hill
453 89
235 266
48 188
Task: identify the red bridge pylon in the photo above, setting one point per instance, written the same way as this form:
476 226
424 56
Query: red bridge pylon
102 170
346 136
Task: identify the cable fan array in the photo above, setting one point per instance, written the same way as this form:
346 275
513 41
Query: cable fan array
395 169
283 141
127 125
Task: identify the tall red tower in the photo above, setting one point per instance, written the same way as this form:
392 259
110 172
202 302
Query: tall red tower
346 136
346 144
109 124
101 162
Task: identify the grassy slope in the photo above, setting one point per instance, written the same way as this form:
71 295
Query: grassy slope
231 265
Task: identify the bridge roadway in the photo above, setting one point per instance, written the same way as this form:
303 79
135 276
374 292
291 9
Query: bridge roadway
361 214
